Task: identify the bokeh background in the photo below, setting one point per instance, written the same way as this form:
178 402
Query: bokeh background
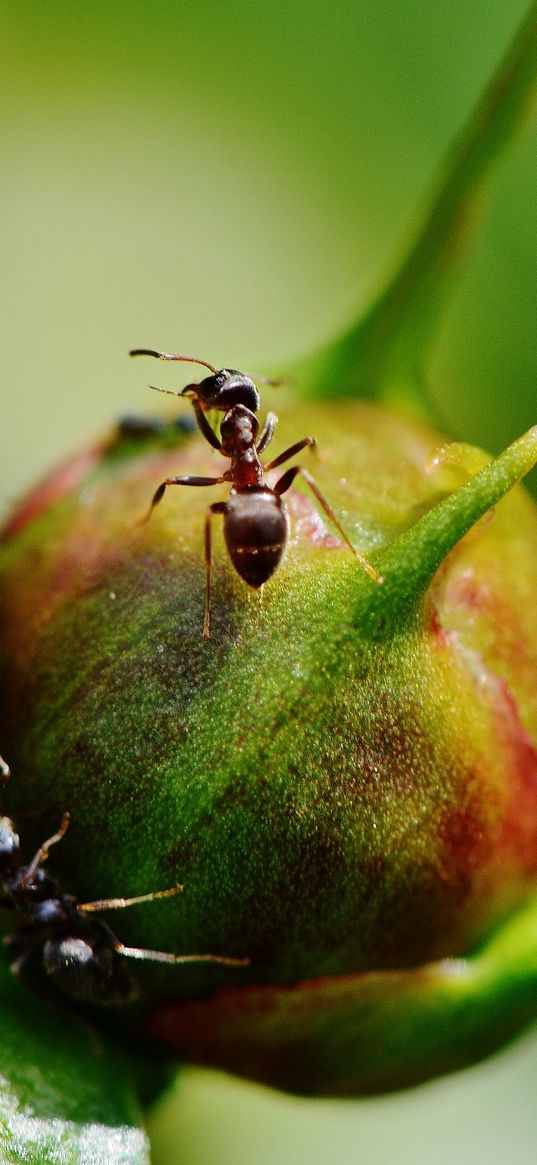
235 180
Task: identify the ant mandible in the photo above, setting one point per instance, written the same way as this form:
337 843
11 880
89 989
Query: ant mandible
79 954
256 523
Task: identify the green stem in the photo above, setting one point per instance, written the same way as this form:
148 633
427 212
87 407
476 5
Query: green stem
382 357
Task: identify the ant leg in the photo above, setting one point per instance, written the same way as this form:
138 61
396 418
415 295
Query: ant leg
186 480
208 558
287 480
290 452
166 957
259 378
121 903
203 423
267 432
216 508
42 854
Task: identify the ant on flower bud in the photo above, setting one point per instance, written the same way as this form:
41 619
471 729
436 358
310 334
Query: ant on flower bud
256 522
78 953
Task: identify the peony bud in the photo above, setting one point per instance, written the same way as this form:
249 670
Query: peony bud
343 776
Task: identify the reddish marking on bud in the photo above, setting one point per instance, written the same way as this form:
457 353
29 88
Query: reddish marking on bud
519 830
471 592
515 842
439 633
201 1029
55 485
307 523
466 846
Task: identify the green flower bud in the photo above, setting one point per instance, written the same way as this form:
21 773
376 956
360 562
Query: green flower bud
343 776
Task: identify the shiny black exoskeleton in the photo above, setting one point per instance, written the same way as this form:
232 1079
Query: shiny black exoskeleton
256 524
223 389
62 940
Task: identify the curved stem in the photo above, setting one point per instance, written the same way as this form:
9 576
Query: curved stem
383 355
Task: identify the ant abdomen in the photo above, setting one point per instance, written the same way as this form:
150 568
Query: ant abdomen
89 969
256 527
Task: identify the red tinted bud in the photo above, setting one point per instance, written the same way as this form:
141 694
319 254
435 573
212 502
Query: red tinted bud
343 775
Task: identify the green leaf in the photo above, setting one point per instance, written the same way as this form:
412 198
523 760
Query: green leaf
67 1094
383 355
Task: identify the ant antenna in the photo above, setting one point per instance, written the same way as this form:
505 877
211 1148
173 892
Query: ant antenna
42 854
172 356
168 391
273 382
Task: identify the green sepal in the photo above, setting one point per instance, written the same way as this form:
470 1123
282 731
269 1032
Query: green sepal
409 563
377 1032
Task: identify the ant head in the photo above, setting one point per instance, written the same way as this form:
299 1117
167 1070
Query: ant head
226 388
223 389
9 844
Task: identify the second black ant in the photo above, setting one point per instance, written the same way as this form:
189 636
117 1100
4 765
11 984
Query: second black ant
256 522
62 939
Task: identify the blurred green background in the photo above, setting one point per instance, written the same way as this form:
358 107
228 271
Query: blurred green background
235 180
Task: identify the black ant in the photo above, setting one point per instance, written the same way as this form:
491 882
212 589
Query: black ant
256 523
79 954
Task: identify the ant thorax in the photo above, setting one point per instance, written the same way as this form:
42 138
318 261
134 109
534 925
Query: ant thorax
238 434
238 431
